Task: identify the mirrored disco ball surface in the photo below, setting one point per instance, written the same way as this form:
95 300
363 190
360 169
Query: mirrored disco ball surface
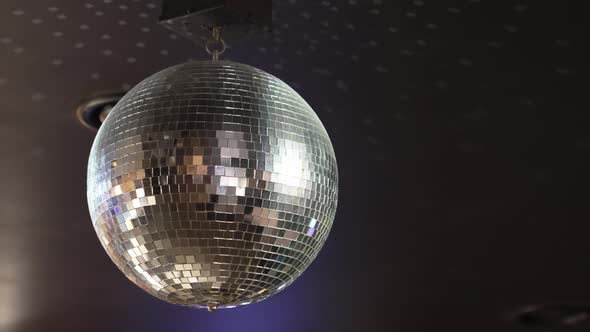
212 184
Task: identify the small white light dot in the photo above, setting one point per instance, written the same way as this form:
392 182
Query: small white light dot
563 43
510 28
18 12
465 61
53 9
36 21
99 13
37 96
131 60
95 76
520 8
495 44
380 69
562 71
341 85
57 34
442 84
407 52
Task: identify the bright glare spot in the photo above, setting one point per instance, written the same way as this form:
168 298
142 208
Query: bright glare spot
312 223
140 192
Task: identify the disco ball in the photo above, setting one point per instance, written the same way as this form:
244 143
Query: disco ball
212 184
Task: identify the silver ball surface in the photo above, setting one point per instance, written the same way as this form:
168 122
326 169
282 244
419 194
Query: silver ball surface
212 184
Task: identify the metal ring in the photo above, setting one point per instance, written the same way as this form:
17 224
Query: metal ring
216 52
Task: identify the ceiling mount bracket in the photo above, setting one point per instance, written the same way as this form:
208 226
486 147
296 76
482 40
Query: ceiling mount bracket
195 20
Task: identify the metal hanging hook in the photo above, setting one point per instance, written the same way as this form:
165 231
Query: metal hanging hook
215 46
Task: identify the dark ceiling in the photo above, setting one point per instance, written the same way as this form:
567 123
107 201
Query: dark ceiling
462 135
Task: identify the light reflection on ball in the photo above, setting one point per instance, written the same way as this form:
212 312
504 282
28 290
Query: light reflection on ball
212 184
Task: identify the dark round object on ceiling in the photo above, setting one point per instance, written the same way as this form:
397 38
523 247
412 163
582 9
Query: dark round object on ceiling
92 111
552 315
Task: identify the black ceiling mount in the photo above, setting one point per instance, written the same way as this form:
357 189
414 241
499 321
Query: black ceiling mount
239 19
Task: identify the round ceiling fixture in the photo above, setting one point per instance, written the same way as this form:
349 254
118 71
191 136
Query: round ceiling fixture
552 315
212 184
93 111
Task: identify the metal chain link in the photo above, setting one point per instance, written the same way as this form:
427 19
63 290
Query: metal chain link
215 46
